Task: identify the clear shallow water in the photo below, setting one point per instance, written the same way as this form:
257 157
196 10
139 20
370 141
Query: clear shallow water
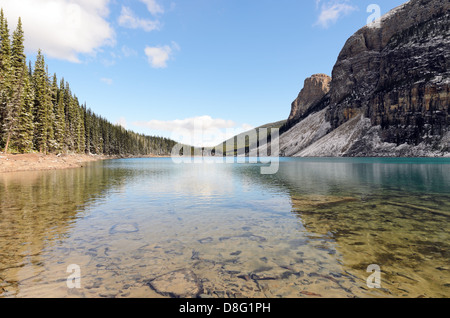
151 228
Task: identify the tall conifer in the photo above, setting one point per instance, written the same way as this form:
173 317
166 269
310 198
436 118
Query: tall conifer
41 104
36 114
25 130
19 77
5 80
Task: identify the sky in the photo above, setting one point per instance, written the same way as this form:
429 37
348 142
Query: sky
159 67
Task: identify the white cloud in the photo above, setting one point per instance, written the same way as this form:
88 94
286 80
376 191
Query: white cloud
106 80
205 122
63 29
127 52
159 55
128 19
198 131
153 7
332 10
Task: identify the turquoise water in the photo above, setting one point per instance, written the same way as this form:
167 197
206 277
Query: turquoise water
152 228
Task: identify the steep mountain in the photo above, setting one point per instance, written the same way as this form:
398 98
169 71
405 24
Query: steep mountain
388 94
315 87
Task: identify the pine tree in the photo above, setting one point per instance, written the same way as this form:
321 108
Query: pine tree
36 114
82 138
60 121
54 91
24 141
2 75
64 101
70 115
57 122
78 126
87 130
51 141
42 106
5 81
19 77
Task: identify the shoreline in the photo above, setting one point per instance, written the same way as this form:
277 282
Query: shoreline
41 162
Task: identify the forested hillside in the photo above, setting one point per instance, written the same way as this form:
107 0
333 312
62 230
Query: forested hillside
39 113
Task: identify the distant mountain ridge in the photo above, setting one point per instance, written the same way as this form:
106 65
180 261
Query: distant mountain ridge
388 94
247 144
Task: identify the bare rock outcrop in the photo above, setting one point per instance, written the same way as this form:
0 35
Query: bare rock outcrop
314 88
389 89
397 74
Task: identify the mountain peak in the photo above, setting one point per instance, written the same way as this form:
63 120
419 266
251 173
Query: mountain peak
389 93
314 88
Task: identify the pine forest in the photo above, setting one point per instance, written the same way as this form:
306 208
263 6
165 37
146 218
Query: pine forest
39 113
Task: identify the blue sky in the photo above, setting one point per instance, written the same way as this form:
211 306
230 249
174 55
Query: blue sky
155 65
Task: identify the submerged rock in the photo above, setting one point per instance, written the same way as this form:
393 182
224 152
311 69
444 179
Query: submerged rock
124 228
301 203
177 284
195 255
248 236
308 293
205 240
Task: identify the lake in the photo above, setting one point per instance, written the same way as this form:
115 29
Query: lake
153 228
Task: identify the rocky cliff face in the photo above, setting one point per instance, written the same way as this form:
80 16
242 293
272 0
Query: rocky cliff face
314 89
390 83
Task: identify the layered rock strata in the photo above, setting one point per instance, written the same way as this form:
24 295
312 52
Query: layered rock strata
389 87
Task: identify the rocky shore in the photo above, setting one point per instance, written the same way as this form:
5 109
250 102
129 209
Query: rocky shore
36 161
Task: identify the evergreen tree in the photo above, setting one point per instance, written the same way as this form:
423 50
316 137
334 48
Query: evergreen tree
2 74
82 130
24 141
60 121
87 130
19 77
70 116
78 126
6 115
42 105
36 114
